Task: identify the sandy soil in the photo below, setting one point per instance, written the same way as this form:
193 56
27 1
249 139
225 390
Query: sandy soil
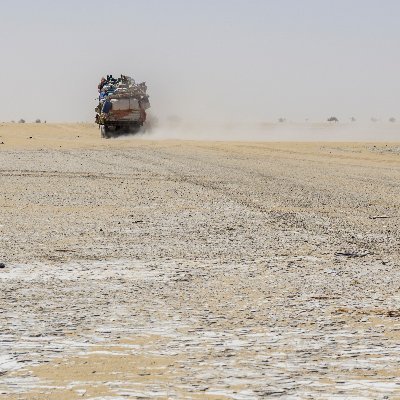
194 269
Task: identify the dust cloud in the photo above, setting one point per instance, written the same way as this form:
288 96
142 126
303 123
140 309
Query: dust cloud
271 131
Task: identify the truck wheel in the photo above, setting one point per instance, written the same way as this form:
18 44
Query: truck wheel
133 129
105 133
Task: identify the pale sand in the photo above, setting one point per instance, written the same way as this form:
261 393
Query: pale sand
197 269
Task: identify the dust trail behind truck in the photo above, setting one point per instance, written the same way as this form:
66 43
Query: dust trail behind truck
122 106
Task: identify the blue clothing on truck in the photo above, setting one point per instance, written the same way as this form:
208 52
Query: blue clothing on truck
106 107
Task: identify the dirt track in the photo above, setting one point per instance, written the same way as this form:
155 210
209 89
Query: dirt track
184 269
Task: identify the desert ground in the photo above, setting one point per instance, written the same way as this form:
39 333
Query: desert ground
154 269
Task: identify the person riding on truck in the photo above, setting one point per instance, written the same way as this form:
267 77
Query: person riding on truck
102 83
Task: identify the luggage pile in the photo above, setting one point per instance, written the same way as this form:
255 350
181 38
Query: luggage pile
122 94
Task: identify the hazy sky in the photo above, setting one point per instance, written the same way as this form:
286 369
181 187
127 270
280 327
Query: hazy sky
225 60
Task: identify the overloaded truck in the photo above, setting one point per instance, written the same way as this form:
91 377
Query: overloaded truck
122 106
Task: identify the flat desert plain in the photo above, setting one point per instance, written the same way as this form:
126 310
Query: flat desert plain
141 268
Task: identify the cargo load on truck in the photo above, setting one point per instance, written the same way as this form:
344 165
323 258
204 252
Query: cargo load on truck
122 105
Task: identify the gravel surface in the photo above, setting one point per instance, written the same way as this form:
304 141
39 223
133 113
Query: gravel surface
173 269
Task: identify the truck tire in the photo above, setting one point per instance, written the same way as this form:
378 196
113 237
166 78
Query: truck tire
104 131
133 129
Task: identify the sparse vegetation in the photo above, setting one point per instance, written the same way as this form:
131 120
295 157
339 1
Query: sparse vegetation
392 119
21 121
38 121
281 120
332 119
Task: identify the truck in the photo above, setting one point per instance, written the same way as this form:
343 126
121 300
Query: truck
122 106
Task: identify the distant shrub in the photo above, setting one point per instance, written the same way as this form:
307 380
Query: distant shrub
281 120
392 119
38 121
332 119
352 119
21 121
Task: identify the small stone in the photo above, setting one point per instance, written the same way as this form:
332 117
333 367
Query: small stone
2 265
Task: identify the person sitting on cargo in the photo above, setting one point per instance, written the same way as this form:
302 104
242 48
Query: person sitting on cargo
102 83
143 86
102 95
